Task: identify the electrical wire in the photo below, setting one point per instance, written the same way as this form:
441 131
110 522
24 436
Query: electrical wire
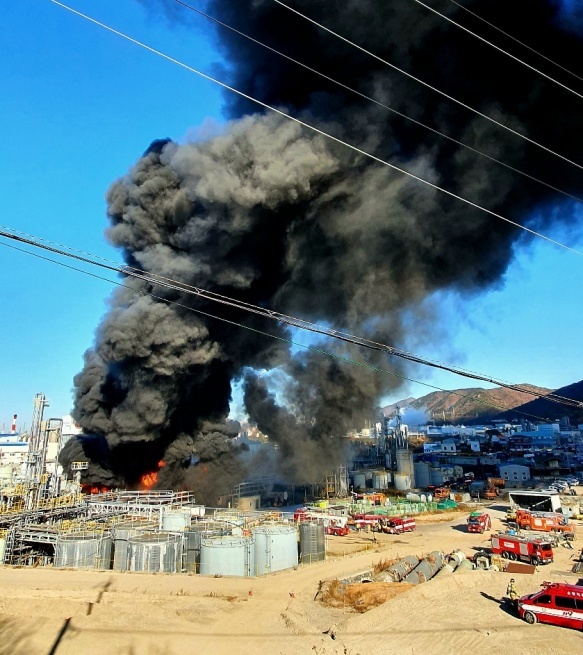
321 351
315 129
286 319
477 36
524 45
371 99
426 84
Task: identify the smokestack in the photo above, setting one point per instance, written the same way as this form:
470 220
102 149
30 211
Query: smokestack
13 426
278 216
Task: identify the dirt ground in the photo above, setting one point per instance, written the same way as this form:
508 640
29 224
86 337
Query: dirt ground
45 611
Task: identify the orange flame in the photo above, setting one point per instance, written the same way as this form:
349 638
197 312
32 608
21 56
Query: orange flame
148 480
93 489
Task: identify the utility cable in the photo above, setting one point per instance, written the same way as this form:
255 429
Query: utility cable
321 351
292 321
524 45
426 84
477 36
288 320
371 99
314 129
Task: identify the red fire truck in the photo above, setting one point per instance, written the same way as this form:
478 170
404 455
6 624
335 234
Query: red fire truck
367 520
528 549
556 603
479 522
398 524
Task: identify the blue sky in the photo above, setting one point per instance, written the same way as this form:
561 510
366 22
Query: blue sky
79 105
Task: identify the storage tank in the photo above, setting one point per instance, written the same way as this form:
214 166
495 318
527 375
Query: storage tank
380 480
84 550
359 481
405 461
175 520
312 542
402 482
422 474
156 552
276 548
227 555
192 541
121 547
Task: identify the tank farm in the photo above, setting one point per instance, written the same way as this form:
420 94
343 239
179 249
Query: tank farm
48 518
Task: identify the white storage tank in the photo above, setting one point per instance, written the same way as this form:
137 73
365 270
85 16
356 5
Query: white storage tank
227 555
175 520
276 548
380 480
156 552
402 482
83 550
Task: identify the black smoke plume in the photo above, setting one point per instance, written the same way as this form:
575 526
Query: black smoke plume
276 215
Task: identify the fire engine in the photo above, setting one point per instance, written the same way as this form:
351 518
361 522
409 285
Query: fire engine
334 525
371 520
545 522
528 549
556 603
479 522
398 524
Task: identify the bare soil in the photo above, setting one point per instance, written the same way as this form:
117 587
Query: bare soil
45 611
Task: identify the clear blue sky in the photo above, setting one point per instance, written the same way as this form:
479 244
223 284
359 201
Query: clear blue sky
79 105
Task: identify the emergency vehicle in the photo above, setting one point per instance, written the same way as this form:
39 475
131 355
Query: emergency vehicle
545 522
367 520
528 549
556 603
339 523
479 522
397 524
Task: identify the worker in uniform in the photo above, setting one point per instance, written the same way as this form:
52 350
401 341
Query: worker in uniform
512 593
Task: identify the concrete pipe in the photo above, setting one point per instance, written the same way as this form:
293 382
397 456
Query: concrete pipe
398 571
426 569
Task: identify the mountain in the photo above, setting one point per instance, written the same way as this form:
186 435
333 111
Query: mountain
550 411
471 405
389 410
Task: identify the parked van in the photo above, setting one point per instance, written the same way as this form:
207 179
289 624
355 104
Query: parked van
556 603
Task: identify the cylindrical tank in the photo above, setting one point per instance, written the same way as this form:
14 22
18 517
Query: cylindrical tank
422 474
359 481
312 542
84 550
398 571
156 552
402 482
227 555
416 498
193 539
121 548
380 480
368 475
175 521
276 548
405 461
426 569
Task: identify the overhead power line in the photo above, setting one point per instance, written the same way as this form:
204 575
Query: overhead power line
371 99
314 129
426 84
524 45
283 318
492 45
321 351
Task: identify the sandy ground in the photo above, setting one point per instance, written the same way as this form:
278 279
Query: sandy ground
129 613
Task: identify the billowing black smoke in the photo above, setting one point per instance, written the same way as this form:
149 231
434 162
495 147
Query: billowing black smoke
276 215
